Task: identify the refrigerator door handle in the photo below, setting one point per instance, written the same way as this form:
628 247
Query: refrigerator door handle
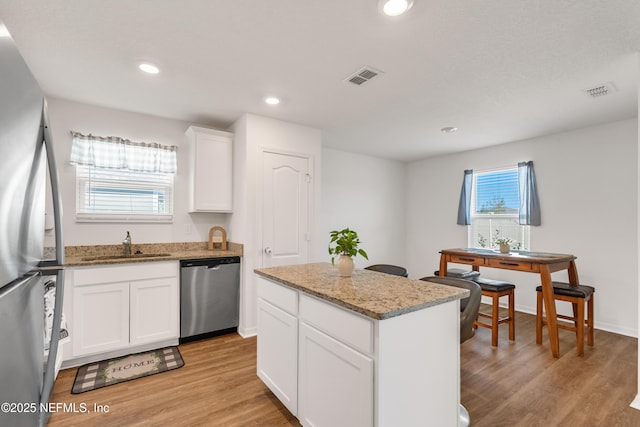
55 186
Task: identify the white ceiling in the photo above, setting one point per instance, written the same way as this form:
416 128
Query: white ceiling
499 70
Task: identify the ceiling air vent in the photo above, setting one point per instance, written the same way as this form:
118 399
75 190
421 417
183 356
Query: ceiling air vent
363 75
600 90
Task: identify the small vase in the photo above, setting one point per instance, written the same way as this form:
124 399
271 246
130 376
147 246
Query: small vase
504 249
345 266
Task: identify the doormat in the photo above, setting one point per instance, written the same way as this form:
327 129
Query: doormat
120 369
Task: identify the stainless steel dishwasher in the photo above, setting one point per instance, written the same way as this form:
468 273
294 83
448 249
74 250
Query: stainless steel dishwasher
209 297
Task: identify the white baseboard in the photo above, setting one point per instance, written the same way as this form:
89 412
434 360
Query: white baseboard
248 332
636 402
603 326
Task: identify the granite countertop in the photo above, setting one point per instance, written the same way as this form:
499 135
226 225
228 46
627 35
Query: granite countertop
76 256
376 295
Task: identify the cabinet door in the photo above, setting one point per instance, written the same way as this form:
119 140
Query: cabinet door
154 310
100 318
278 353
335 384
211 170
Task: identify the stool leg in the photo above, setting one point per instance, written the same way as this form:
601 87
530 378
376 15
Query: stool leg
575 312
590 321
512 316
539 318
580 327
495 311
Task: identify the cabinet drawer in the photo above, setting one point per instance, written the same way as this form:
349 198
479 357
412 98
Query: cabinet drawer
339 323
278 295
124 273
467 259
511 265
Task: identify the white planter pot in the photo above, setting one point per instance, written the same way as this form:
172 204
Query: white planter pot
345 266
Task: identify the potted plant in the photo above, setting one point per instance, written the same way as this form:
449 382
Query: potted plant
345 246
503 242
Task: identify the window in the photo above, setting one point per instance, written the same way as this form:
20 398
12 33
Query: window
122 181
121 195
495 205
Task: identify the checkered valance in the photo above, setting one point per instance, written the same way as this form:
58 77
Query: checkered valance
113 152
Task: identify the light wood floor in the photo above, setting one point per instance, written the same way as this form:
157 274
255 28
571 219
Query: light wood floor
516 384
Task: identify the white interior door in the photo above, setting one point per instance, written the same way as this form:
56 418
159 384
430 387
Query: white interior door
285 209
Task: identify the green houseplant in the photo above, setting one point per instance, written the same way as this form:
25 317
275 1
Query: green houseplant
503 242
344 245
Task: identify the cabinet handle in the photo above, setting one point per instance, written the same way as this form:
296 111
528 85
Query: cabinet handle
512 264
267 250
467 259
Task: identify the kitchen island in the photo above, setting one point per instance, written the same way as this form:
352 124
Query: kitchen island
369 350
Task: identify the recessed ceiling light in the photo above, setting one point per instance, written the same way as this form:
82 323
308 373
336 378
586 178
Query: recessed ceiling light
272 100
394 7
449 129
149 68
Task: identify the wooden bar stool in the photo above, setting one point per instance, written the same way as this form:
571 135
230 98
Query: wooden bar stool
495 289
577 295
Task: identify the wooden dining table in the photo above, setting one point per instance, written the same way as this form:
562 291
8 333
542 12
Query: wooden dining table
542 263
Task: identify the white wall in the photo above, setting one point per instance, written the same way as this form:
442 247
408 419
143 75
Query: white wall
588 188
581 174
66 116
367 195
253 134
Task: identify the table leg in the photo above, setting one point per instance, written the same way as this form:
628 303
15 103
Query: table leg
443 265
573 273
550 309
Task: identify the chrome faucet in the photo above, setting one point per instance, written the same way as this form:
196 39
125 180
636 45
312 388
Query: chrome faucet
127 245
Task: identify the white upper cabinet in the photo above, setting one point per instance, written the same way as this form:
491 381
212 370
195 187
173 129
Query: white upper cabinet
210 170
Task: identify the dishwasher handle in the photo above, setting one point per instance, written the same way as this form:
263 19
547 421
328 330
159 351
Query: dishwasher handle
209 263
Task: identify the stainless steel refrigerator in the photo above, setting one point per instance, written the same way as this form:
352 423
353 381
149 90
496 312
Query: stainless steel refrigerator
26 155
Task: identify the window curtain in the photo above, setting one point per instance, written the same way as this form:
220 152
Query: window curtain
464 206
113 152
529 203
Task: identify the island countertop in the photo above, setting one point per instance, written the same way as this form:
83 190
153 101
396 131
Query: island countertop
376 295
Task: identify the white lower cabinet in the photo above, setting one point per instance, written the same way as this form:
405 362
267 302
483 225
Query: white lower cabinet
117 307
153 310
101 318
333 367
311 355
278 352
335 382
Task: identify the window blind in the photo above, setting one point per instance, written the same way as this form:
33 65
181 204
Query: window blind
117 195
497 192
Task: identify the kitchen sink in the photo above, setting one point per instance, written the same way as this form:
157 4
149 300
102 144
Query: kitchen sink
119 257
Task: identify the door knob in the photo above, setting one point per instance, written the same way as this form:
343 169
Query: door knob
267 250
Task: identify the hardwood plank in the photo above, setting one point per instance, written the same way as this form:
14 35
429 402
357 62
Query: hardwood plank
515 384
218 386
520 384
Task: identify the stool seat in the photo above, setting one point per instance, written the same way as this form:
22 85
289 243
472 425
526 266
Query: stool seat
568 290
459 273
491 285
